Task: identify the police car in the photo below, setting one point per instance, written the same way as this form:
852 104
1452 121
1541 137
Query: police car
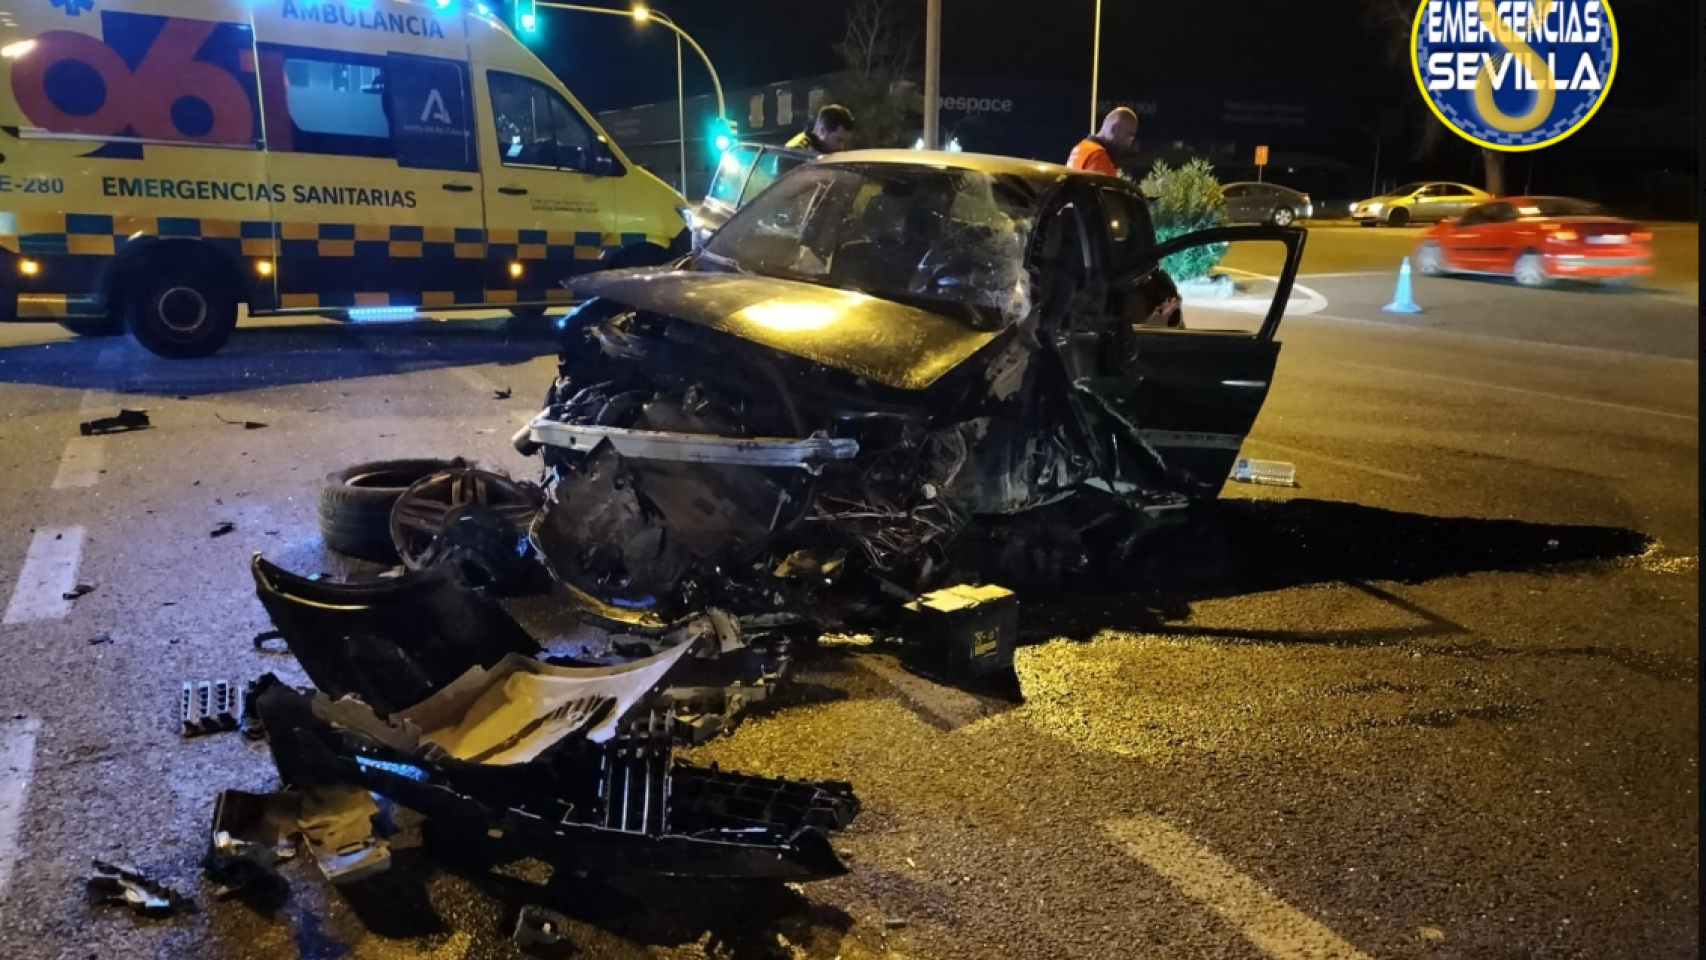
165 162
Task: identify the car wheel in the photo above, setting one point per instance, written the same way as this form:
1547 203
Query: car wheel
1531 270
1398 217
182 312
1282 217
1430 259
355 504
470 517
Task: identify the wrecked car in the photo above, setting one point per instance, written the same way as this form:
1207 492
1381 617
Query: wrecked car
888 366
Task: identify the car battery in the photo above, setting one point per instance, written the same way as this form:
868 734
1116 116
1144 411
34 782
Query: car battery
961 632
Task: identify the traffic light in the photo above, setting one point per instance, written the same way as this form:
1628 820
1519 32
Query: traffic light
526 16
722 134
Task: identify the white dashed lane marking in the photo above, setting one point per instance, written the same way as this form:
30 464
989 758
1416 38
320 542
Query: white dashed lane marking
1523 391
49 572
81 464
1273 926
17 758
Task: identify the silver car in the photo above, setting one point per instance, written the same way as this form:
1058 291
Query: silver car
1421 202
1266 203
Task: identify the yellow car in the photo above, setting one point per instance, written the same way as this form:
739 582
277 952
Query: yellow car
1424 202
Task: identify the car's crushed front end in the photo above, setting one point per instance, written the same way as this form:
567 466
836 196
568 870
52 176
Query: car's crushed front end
877 407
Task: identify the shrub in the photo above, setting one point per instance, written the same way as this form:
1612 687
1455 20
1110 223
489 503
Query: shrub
1184 200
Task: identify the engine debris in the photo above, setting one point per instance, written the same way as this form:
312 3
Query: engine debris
123 422
118 885
209 706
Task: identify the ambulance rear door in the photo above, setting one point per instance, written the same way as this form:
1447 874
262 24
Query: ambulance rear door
369 120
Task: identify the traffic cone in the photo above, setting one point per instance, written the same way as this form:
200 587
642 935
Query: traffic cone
1401 300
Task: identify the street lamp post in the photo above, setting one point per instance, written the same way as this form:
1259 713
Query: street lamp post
1096 67
933 75
681 115
643 14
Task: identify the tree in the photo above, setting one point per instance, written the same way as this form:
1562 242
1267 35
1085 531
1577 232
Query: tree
1391 21
878 85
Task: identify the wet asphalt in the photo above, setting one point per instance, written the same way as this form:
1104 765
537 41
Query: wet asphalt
1439 701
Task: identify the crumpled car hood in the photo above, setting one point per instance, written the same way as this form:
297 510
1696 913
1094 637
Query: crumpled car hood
890 343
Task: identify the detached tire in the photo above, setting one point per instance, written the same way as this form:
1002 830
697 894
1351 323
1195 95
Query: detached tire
182 312
356 502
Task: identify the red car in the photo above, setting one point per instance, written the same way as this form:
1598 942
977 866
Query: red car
1537 240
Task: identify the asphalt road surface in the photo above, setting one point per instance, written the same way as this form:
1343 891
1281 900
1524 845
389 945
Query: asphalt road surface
1439 701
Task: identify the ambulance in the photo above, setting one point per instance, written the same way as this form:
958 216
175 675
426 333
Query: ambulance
164 163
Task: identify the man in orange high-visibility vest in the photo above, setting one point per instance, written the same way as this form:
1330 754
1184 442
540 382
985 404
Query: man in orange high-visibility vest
1096 154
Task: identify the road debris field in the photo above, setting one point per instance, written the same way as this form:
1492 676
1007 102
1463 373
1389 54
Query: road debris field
1023 637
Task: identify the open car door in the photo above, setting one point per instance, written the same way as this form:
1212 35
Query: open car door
1191 389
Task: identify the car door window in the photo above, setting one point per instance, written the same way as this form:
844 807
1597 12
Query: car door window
536 127
731 174
1235 191
1475 217
1499 212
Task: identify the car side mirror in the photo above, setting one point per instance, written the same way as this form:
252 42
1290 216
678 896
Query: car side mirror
604 162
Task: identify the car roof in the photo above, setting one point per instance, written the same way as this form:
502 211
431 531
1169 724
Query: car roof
1035 170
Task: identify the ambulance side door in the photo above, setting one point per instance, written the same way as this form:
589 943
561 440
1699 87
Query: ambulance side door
371 154
549 202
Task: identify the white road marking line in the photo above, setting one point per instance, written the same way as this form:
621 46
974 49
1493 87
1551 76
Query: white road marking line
1311 302
1566 349
50 572
17 758
108 359
1275 927
1482 384
80 465
1336 461
954 708
1354 273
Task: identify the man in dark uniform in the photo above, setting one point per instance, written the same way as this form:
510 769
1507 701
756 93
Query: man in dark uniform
831 131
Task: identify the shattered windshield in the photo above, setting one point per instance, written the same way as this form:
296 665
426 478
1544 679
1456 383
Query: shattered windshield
927 235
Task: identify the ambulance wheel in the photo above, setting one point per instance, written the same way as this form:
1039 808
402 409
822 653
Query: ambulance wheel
94 326
182 312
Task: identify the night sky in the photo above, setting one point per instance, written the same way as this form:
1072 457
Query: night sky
1316 49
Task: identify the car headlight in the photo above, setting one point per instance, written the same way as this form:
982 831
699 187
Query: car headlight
1375 207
